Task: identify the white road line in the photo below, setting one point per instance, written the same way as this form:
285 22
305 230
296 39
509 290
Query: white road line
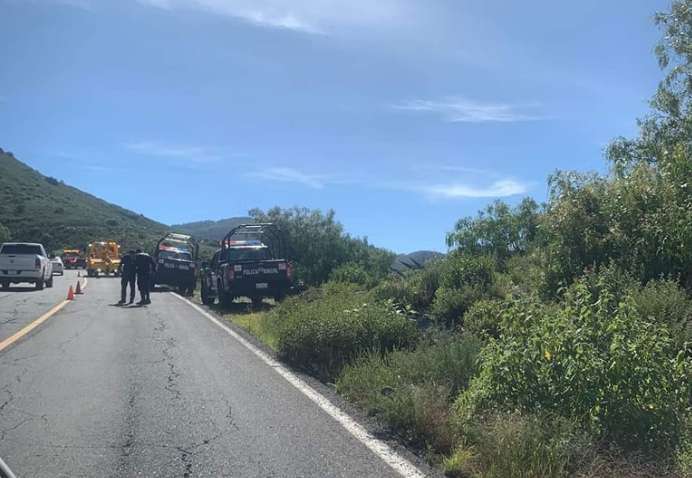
400 464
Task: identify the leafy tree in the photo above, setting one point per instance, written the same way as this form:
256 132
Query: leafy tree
499 231
317 243
670 122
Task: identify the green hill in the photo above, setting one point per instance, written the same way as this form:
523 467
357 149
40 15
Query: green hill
211 230
39 208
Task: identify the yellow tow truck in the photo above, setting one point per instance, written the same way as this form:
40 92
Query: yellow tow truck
103 257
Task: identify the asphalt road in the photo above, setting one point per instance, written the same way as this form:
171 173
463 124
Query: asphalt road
106 391
22 303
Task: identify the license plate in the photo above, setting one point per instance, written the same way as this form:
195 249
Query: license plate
261 285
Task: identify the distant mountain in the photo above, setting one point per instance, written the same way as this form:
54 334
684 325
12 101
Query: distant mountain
211 230
42 209
413 259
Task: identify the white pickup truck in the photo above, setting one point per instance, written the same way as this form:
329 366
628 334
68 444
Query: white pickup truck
25 262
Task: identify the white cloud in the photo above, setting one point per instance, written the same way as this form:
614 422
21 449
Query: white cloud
502 188
311 16
193 154
463 110
290 175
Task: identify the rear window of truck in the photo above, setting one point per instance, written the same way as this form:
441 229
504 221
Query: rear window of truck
20 249
249 254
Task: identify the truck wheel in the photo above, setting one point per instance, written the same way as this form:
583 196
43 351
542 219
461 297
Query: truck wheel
256 302
49 282
206 300
225 298
4 285
39 284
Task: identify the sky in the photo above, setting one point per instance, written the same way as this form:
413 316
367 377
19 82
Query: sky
401 115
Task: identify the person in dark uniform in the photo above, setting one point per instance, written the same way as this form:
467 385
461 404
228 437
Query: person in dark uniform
127 270
145 269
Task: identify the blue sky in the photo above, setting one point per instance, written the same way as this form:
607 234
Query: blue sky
401 115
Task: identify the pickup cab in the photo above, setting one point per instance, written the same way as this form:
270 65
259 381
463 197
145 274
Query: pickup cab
245 267
25 262
176 262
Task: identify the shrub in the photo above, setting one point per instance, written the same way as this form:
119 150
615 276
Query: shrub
415 289
411 390
483 318
598 361
352 273
332 329
528 446
463 281
665 302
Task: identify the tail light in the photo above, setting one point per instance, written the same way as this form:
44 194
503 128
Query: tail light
229 274
37 263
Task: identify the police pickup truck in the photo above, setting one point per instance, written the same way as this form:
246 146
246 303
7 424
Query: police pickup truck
175 256
25 262
246 266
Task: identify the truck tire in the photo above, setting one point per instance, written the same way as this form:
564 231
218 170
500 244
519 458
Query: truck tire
225 299
49 282
4 285
206 299
39 284
256 302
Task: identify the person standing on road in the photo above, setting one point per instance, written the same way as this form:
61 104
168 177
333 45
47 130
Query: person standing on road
145 269
127 270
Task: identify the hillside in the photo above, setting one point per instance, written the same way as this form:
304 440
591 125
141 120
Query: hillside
414 259
39 208
211 230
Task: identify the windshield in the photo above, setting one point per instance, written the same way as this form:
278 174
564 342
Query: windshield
181 256
21 249
248 254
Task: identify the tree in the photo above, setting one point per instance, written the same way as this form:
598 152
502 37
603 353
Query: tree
670 122
498 231
317 244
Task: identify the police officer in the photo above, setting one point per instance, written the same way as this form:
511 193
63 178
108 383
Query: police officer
145 268
127 270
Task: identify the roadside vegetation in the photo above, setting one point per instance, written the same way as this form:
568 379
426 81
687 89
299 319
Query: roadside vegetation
38 208
552 340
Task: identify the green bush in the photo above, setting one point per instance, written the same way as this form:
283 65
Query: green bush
415 289
483 318
665 302
329 330
520 445
463 281
411 390
353 273
597 361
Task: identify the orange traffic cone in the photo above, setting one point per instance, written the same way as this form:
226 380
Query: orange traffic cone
78 290
70 294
